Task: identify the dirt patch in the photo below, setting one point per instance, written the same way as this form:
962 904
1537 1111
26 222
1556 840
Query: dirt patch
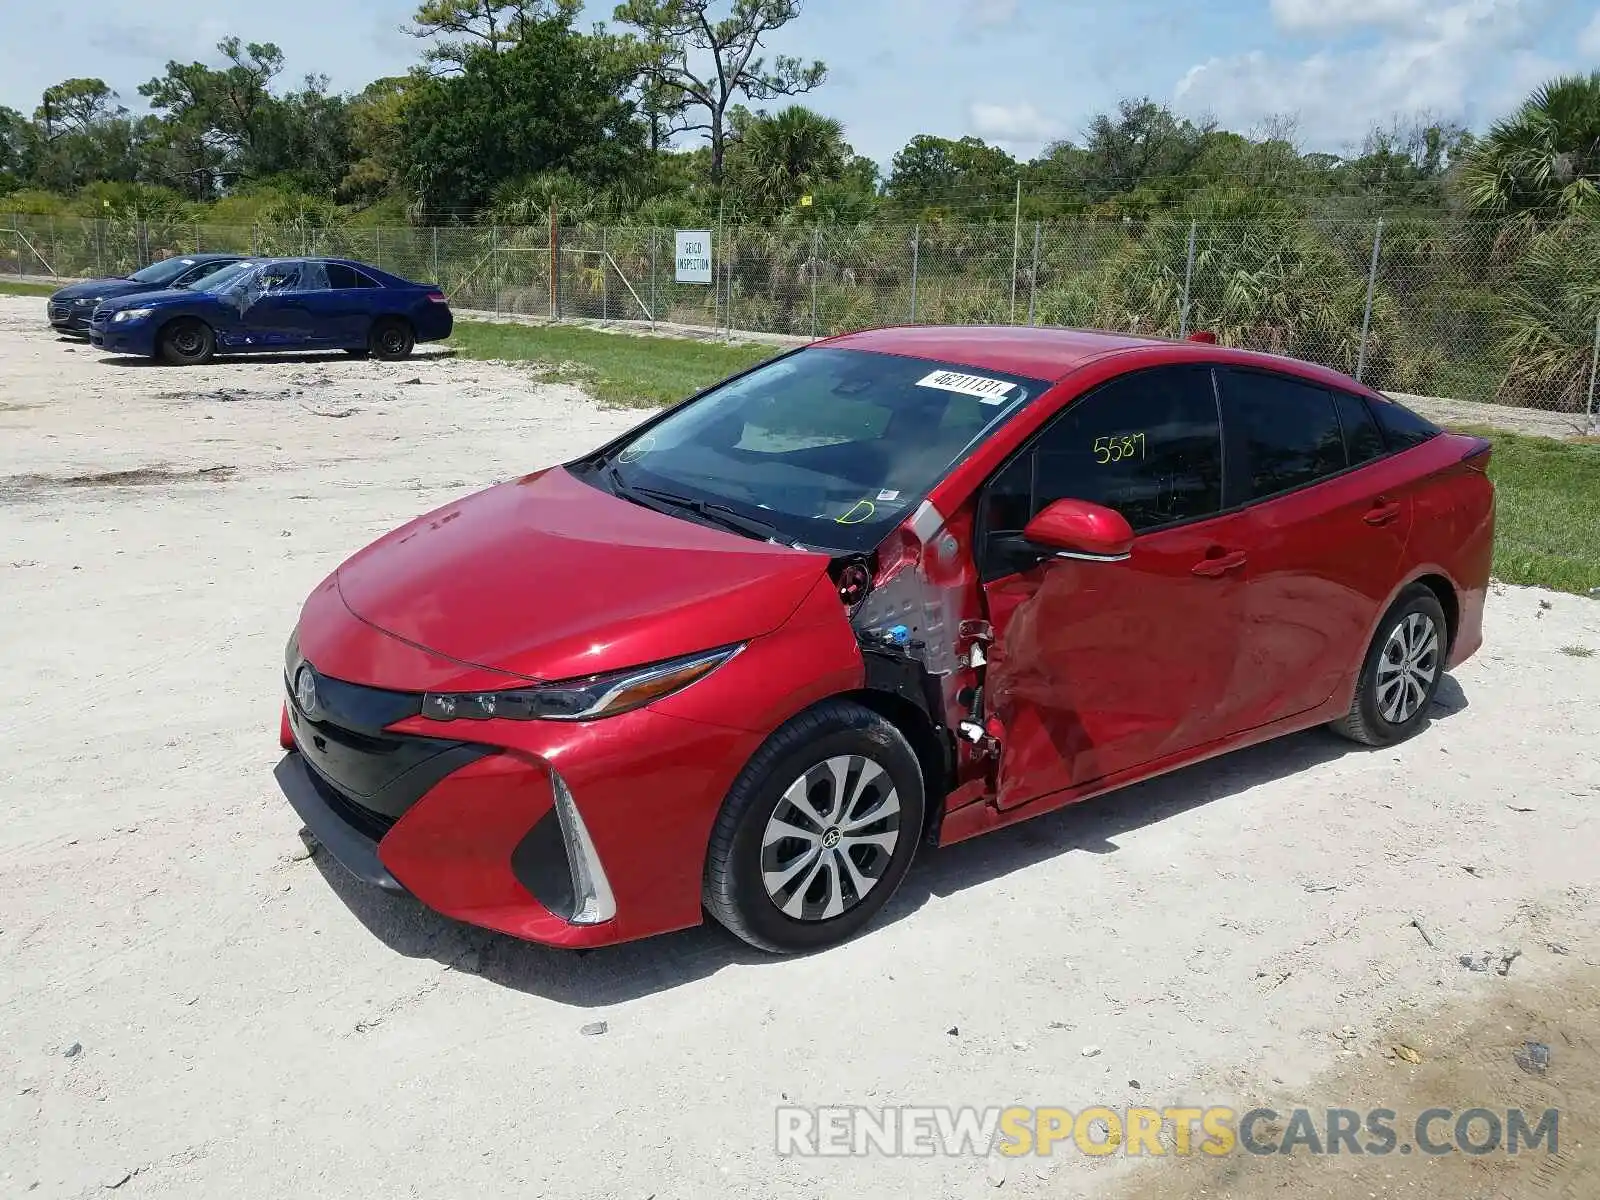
1531 1045
15 486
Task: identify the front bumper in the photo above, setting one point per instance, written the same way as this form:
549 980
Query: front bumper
129 337
70 318
476 831
328 816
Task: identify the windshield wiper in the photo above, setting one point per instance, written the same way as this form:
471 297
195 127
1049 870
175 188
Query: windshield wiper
719 514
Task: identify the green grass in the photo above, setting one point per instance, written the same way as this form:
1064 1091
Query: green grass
1547 511
13 288
615 368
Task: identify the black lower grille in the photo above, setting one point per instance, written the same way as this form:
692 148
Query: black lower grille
373 824
374 774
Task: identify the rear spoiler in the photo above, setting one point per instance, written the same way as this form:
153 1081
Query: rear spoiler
1476 455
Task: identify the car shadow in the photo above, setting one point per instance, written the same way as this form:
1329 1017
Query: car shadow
612 975
292 357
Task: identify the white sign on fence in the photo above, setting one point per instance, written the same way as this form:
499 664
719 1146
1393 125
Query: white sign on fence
693 256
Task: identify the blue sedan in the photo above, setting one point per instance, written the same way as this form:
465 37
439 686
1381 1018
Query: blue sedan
277 304
70 308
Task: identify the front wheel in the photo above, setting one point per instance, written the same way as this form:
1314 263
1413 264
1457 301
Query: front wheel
391 339
187 342
817 832
1401 672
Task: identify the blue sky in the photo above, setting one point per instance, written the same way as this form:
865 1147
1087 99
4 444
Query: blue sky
1016 72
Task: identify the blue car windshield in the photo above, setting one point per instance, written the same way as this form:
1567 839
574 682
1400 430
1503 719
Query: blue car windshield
830 447
164 271
224 281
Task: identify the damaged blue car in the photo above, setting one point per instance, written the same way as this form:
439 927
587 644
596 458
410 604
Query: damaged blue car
277 304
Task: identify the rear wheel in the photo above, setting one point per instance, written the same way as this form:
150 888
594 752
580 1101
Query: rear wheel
1401 673
391 339
817 832
187 341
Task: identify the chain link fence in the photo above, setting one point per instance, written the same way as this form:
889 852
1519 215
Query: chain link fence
1427 305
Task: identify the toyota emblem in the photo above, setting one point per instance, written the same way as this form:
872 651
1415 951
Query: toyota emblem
305 689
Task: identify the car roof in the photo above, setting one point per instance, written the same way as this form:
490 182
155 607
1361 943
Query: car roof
1051 354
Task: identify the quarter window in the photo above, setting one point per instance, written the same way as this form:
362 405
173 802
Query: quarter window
1403 428
1362 439
1288 429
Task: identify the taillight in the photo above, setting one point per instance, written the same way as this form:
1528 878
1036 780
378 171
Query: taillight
437 298
1477 456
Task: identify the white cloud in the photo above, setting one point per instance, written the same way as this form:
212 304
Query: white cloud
1449 58
1589 39
1324 16
1014 124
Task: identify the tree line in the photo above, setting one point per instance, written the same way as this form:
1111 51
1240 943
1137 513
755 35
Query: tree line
512 107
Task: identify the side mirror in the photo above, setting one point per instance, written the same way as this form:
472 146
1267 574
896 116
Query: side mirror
1079 529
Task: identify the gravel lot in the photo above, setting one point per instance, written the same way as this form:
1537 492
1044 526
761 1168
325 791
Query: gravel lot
247 1023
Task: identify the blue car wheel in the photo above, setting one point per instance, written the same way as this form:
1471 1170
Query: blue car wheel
187 341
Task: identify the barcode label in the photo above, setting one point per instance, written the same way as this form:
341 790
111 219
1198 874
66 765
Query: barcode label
989 391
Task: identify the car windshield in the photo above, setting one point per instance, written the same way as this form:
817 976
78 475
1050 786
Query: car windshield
830 447
164 271
227 279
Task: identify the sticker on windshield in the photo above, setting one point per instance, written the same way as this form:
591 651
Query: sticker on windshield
886 494
989 391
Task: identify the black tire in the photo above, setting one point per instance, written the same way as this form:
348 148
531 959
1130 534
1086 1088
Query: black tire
187 342
739 860
1392 700
391 339
358 353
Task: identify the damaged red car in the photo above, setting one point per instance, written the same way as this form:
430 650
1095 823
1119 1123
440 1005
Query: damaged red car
894 589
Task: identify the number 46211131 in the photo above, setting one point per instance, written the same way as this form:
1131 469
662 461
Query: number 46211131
1118 447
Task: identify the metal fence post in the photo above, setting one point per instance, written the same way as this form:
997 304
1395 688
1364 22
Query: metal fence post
916 265
816 261
605 280
436 278
728 306
1372 284
1188 276
1594 365
1016 250
377 247
655 235
1033 282
494 251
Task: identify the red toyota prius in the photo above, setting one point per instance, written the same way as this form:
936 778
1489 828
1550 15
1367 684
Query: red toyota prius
899 586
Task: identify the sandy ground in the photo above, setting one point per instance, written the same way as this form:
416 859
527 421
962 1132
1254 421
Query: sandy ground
190 1006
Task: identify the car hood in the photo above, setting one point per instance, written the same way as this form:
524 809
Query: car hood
150 299
105 288
547 577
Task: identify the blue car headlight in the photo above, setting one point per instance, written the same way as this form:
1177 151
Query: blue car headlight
579 699
131 314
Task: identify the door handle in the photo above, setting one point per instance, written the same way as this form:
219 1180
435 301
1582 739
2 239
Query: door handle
1220 564
1382 512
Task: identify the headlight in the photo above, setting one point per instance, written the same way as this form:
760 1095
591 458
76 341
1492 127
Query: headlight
578 699
131 314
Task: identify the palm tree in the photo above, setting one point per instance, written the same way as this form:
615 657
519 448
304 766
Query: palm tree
1548 316
1541 164
781 158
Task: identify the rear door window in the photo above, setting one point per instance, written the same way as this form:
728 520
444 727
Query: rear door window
342 278
1287 430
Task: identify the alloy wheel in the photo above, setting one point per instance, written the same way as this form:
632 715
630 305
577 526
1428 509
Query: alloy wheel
1407 668
830 838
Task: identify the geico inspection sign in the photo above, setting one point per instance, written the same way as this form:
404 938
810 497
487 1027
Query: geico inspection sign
693 256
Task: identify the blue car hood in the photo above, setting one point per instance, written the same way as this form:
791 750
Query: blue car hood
106 288
151 299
